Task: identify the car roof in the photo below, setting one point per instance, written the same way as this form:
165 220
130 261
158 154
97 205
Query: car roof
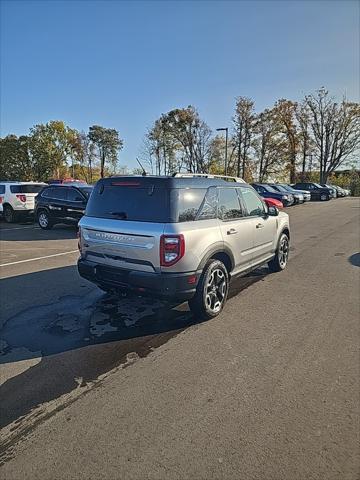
172 182
16 182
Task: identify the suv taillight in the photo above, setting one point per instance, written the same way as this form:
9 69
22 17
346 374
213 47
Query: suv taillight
22 198
172 248
1 200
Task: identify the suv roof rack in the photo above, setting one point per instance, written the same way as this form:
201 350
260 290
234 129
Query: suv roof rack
209 175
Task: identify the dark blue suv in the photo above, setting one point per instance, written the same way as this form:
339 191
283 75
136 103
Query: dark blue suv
266 191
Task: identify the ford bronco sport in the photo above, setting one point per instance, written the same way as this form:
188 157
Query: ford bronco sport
181 237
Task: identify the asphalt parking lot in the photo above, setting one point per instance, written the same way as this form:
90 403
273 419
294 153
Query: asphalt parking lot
93 386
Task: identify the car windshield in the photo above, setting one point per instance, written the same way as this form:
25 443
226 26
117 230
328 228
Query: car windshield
287 188
269 189
86 191
281 188
317 185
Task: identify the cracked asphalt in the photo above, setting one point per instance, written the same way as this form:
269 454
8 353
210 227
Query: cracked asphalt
94 386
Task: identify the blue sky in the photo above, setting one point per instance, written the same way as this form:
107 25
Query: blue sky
121 64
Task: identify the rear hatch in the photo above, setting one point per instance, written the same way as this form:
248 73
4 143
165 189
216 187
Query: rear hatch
123 223
26 193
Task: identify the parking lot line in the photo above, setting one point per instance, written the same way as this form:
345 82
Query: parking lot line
17 228
38 258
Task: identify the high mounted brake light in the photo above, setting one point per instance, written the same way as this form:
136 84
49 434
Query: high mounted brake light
125 184
22 198
172 249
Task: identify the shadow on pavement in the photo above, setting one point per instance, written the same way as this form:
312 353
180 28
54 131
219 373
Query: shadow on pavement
80 337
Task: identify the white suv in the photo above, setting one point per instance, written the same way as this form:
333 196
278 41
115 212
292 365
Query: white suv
18 199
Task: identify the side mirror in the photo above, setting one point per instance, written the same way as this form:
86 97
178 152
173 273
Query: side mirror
273 211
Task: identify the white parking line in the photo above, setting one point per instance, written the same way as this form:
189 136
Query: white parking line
38 258
17 228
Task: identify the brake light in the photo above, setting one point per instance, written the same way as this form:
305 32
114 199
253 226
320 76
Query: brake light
172 249
1 200
125 184
22 198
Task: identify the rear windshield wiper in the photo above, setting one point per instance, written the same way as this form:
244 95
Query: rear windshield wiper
121 215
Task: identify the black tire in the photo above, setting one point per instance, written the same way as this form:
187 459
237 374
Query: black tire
10 215
324 197
279 262
211 292
44 221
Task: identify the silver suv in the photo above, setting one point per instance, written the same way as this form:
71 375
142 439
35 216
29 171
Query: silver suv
182 238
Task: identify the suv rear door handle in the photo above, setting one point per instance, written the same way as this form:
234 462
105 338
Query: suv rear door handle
260 225
232 231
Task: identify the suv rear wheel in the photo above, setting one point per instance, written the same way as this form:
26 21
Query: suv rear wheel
44 220
211 292
9 214
279 262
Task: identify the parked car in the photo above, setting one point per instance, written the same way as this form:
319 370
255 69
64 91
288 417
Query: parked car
317 191
340 192
182 238
62 181
298 196
266 191
18 199
2 193
272 202
331 188
61 204
306 194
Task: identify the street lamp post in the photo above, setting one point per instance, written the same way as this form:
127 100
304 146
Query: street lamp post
226 130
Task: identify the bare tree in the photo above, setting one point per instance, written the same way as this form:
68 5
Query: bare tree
306 144
191 137
243 122
285 112
335 128
269 144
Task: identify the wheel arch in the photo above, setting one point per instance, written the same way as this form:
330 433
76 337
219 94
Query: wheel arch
219 253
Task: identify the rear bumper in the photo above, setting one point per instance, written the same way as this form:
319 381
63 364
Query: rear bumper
161 285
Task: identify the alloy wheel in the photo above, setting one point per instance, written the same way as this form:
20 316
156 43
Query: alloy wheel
215 290
283 252
43 220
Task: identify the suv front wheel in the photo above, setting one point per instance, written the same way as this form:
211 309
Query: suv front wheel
211 292
44 220
279 262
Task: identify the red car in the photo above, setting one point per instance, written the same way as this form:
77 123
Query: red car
273 202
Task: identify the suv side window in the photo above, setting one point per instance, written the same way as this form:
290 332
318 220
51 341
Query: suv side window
47 193
2 189
189 202
208 210
74 195
229 205
253 204
58 193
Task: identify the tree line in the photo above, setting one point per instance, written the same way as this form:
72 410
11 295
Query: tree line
54 150
288 141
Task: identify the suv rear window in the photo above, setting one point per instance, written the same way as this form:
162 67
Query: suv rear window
2 189
28 188
129 201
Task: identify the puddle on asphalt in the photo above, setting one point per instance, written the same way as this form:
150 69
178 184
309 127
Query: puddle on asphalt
77 321
46 349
